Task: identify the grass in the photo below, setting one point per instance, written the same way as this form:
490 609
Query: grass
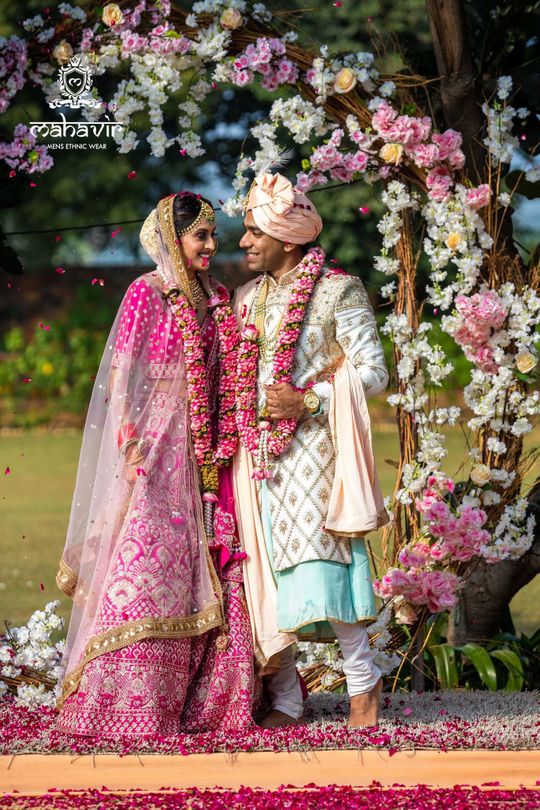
35 500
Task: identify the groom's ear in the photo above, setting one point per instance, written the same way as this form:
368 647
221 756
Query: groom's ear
288 246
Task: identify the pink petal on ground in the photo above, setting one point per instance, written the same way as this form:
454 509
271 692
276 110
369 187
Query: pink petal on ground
59 270
132 175
7 471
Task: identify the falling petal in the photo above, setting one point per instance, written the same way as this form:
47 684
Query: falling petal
364 210
99 281
27 379
7 471
183 152
58 237
132 175
12 173
337 5
140 471
32 185
45 327
214 85
116 232
59 270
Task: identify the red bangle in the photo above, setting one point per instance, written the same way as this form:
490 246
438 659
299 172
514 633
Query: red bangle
127 432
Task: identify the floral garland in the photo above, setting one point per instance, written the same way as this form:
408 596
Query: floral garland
208 458
257 435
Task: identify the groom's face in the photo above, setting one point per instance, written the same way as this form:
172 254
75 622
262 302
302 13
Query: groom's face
263 252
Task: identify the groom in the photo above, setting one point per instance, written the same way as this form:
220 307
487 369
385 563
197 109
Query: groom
306 487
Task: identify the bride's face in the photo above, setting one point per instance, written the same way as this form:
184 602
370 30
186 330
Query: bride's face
199 246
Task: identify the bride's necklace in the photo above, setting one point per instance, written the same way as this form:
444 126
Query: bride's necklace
196 290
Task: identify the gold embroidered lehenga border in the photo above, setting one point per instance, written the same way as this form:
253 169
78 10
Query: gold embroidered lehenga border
66 579
130 632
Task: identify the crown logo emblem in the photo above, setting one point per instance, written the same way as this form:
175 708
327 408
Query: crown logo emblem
75 83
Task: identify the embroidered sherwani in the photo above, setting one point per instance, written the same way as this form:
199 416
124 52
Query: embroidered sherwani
319 574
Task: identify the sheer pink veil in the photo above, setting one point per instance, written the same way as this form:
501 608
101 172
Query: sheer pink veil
136 560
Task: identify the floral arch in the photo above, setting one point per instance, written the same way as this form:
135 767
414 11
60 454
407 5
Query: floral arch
361 125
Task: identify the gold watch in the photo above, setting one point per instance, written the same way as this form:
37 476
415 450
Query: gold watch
312 401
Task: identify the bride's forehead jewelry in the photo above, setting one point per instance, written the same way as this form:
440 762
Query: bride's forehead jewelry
206 212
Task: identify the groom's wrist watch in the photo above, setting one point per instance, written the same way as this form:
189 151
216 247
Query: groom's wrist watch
312 402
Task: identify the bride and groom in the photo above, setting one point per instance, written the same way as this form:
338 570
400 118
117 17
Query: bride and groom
225 483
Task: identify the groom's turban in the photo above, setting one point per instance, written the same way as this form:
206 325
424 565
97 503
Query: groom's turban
282 211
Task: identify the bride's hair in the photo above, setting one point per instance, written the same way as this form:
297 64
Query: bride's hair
186 207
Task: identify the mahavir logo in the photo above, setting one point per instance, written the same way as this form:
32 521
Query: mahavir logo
75 83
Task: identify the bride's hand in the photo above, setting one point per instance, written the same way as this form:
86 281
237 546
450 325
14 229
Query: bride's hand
134 459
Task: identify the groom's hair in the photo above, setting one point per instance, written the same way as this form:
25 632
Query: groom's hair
186 207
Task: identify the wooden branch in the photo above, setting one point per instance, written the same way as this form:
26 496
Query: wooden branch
456 67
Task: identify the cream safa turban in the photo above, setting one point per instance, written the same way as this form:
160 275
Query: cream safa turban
282 211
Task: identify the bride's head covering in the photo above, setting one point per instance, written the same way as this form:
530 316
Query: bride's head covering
162 231
281 211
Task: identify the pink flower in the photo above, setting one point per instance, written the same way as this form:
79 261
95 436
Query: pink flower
438 183
456 159
414 556
242 77
478 197
425 155
447 142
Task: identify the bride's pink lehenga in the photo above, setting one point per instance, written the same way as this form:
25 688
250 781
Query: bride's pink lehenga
159 641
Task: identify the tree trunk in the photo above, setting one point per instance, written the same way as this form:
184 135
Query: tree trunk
489 589
456 67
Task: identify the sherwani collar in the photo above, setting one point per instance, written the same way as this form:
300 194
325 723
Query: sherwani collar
285 280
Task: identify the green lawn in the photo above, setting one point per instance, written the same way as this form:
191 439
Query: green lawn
34 510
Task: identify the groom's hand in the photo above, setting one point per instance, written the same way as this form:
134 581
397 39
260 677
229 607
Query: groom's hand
283 402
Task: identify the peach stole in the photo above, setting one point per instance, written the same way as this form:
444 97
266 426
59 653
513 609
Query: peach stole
356 504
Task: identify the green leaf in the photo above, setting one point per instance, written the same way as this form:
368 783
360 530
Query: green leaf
481 660
445 663
535 639
306 165
512 662
172 34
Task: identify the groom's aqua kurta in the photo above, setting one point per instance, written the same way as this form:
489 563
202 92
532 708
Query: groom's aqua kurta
311 593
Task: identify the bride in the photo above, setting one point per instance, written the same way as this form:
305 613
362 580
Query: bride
159 640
